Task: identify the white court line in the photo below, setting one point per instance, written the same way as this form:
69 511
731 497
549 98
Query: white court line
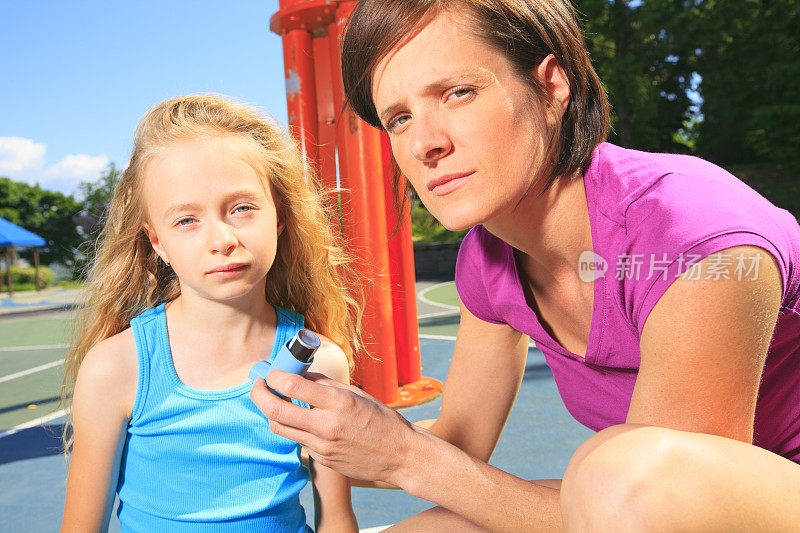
38 347
438 313
33 423
375 529
422 293
437 337
31 371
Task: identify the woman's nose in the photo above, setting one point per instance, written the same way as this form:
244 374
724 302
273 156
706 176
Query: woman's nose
223 238
429 142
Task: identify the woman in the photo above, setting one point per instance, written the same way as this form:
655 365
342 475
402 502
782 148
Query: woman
662 291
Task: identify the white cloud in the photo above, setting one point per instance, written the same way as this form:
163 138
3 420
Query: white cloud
23 160
80 166
18 154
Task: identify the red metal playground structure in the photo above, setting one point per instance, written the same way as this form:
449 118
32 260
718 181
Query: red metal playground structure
328 133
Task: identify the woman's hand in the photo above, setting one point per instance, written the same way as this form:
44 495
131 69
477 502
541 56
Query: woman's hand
348 430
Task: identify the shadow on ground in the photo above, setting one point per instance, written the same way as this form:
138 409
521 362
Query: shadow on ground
24 405
537 371
39 441
447 320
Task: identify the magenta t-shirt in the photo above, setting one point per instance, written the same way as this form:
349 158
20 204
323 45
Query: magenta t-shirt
652 216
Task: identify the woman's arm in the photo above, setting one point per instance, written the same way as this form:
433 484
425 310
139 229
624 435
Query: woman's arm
101 404
360 437
333 510
703 348
482 382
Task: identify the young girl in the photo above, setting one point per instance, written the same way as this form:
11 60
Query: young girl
215 252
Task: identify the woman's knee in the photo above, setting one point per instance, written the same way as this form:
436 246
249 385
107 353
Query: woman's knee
624 475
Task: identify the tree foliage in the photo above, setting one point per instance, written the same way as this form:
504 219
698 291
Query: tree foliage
645 61
746 52
48 214
750 66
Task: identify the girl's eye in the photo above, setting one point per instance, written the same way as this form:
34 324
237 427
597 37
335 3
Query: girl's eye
243 208
184 221
396 122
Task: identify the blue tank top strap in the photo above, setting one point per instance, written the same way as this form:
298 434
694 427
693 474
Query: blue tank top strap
289 323
149 339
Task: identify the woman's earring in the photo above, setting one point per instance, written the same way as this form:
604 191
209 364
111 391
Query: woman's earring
165 261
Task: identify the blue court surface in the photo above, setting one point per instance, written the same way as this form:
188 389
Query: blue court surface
537 443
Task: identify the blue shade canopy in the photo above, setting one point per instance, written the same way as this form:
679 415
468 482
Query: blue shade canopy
13 235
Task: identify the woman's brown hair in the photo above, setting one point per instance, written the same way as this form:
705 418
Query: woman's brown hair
526 31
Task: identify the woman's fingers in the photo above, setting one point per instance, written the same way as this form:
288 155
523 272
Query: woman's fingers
278 409
348 430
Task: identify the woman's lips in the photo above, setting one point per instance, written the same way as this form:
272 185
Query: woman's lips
448 183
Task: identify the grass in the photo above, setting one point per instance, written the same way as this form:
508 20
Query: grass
20 287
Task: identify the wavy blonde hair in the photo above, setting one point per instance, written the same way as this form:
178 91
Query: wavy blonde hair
127 277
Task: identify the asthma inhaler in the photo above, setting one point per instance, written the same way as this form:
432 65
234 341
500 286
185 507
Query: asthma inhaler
294 357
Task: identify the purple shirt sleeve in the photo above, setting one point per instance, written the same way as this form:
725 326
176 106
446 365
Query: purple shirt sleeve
480 253
678 223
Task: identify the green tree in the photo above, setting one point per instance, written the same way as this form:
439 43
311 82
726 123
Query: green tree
96 196
48 214
750 67
645 59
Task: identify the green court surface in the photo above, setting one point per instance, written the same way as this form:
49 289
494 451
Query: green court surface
442 293
31 350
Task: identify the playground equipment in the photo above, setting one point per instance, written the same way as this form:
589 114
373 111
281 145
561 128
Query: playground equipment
330 133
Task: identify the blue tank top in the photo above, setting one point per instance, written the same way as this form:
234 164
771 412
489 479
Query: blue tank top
204 461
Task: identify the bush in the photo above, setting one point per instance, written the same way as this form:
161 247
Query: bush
26 277
425 228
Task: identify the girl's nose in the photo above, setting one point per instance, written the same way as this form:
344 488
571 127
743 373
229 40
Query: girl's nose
223 239
429 142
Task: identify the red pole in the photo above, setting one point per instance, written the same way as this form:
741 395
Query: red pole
365 230
298 64
316 101
403 280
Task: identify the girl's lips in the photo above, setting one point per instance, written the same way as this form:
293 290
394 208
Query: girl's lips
447 183
228 271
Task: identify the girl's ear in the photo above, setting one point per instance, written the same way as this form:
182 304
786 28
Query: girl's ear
154 242
281 224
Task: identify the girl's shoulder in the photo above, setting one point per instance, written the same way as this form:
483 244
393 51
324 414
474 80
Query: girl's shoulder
331 361
111 368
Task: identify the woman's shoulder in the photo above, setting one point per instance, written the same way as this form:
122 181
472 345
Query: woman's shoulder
480 247
110 368
678 196
484 260
621 179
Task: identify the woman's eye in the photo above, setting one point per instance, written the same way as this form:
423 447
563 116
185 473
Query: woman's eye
397 122
460 93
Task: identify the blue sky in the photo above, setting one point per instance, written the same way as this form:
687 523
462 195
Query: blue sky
77 76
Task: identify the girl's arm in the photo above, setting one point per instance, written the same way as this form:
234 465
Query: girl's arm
333 510
101 406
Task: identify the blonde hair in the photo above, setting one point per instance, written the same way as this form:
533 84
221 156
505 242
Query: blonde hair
127 277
